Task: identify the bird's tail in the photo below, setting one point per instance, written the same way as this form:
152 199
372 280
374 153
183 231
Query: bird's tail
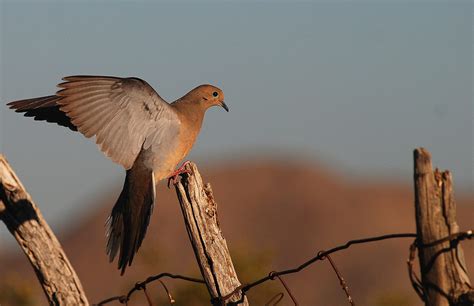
128 222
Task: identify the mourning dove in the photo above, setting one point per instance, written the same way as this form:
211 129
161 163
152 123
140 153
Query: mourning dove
135 128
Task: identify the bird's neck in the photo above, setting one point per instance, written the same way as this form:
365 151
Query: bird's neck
190 113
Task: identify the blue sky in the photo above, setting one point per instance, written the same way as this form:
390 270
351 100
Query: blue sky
354 84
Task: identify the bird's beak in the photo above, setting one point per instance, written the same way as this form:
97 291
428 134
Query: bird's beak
225 106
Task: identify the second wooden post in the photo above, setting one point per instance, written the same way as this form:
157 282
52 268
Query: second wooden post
210 248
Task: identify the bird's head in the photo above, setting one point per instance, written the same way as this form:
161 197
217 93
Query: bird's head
208 95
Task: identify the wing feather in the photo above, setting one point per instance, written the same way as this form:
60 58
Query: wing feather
89 78
76 103
93 121
122 113
43 108
80 89
32 103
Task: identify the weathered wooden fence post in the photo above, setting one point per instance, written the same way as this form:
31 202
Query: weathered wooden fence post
24 220
200 216
443 269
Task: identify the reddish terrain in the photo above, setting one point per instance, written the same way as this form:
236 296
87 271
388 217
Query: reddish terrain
274 216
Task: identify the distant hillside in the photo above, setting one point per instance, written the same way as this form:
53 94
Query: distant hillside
274 216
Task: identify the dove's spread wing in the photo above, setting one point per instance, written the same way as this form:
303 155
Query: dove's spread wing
120 112
43 108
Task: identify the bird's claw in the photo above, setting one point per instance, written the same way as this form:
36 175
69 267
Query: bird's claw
175 176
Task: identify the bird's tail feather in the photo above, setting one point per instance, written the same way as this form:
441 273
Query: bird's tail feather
128 222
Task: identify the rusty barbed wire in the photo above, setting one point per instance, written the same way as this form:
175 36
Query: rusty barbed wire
454 239
123 299
170 297
342 282
148 299
414 279
286 288
319 256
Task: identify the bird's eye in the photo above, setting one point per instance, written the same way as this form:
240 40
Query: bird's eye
215 94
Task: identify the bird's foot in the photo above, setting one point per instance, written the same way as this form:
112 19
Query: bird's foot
174 177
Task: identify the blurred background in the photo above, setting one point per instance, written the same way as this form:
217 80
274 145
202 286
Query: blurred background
327 101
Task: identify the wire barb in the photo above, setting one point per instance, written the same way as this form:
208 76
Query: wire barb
148 299
343 283
170 297
273 275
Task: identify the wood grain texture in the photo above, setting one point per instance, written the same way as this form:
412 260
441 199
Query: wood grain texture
25 221
443 268
210 248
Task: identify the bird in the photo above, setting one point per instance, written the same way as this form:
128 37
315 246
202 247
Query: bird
135 128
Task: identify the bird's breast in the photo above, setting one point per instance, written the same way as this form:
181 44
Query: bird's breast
163 158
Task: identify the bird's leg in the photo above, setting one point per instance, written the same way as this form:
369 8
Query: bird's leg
174 176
